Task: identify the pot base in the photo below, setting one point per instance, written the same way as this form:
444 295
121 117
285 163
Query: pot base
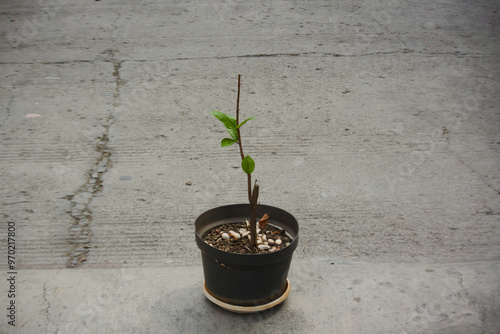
247 309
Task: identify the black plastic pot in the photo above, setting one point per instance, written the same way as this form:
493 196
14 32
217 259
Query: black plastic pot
245 279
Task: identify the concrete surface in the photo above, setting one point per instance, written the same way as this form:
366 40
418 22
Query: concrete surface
377 127
325 298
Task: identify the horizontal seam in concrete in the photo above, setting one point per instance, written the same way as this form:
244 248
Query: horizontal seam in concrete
263 55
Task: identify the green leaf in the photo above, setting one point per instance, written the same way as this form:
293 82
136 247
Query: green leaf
227 142
233 133
247 164
229 122
241 124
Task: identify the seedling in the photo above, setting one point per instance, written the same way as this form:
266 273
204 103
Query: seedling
233 127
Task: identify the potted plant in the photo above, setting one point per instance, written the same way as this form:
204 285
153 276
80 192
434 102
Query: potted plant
246 248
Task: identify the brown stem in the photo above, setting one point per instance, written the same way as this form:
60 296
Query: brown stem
239 138
253 214
238 118
252 195
249 178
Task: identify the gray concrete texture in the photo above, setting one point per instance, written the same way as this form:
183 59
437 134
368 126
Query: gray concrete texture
377 127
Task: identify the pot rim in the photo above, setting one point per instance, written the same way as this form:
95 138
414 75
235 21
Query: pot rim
228 214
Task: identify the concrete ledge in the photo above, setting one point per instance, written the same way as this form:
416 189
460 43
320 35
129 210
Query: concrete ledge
325 298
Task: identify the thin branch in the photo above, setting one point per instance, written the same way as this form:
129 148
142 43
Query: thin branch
250 196
239 138
238 118
253 195
253 214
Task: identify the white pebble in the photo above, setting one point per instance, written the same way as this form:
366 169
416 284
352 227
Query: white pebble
287 244
242 231
259 241
270 241
225 236
234 235
263 247
264 237
273 249
278 242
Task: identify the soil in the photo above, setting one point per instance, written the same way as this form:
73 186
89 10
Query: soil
242 245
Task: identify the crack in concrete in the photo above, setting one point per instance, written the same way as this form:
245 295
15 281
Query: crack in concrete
479 176
7 109
9 106
113 25
47 302
460 280
119 82
80 231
